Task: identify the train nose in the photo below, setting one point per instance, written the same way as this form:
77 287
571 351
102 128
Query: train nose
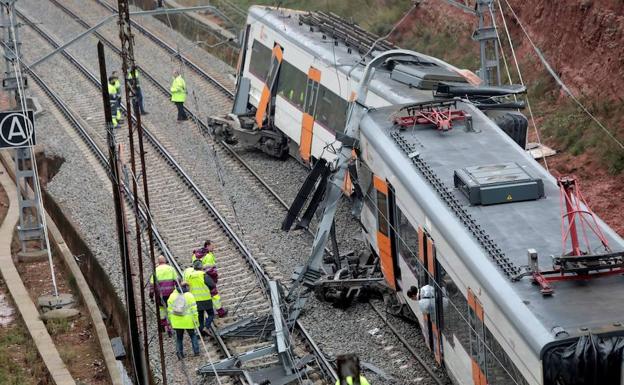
592 359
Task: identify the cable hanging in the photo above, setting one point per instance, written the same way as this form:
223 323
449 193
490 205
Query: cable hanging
563 86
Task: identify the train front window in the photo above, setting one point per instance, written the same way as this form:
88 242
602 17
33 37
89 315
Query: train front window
260 60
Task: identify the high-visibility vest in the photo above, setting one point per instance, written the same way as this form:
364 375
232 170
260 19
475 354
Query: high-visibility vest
117 85
349 379
208 260
112 93
112 99
190 319
166 277
198 287
178 89
132 79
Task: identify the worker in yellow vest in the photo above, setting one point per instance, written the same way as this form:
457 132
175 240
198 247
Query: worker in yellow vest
114 105
348 367
117 85
178 94
182 311
200 285
133 81
162 284
209 263
349 381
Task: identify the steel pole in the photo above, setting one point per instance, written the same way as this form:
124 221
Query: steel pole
122 230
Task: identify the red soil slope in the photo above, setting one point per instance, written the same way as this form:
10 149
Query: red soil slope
584 42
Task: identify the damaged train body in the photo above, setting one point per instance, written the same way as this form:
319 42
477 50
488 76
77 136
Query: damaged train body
525 281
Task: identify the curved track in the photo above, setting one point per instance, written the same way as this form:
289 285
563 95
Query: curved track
212 84
226 91
242 271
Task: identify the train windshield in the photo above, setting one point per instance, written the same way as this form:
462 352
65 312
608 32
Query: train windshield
588 360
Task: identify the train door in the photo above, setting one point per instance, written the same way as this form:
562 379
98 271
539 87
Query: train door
384 226
269 85
432 325
309 111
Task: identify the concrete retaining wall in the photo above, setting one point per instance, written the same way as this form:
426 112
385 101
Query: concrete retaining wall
92 282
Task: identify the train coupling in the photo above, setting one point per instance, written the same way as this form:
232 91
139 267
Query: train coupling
231 127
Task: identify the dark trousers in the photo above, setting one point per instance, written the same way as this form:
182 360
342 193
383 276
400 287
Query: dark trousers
138 101
180 338
181 112
208 320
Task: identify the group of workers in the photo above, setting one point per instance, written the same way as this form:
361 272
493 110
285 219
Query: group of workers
177 89
187 305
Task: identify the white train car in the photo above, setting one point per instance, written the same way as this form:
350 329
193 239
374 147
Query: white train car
460 210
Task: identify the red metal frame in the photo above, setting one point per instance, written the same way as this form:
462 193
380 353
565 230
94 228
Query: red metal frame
573 216
570 194
442 118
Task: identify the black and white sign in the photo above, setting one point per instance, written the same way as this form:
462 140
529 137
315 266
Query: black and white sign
16 130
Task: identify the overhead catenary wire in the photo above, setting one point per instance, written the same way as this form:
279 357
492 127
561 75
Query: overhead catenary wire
516 62
557 79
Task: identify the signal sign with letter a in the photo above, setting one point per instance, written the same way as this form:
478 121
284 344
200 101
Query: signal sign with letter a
17 130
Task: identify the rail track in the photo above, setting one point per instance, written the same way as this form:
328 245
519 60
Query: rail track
222 148
241 274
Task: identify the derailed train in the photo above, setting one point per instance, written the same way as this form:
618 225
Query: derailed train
525 281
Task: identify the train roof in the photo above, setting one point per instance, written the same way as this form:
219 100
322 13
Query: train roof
513 227
347 57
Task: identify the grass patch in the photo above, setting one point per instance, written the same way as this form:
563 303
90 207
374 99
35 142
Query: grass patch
68 355
19 360
58 326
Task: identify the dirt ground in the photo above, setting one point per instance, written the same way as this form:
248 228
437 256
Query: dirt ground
75 340
19 362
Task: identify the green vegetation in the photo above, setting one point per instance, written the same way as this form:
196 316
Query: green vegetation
57 326
560 120
19 361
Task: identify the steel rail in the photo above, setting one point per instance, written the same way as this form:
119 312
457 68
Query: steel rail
408 346
256 267
65 110
326 366
174 52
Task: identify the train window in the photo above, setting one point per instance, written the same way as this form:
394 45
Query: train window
260 60
365 176
331 110
500 369
454 311
408 245
382 213
477 338
291 84
312 91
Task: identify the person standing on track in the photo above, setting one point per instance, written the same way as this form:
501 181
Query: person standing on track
166 278
133 80
182 311
117 85
201 284
178 94
209 263
114 103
